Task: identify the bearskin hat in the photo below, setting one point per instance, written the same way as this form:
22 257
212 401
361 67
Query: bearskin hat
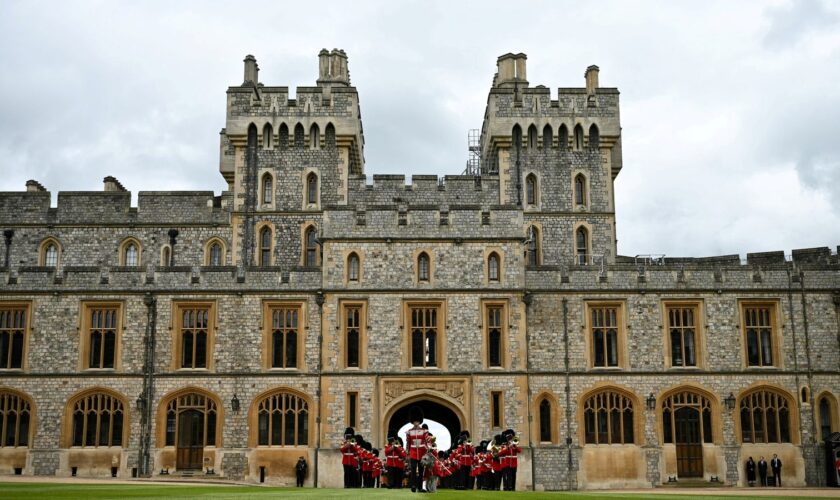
498 439
399 440
465 434
349 432
391 439
375 452
415 414
508 434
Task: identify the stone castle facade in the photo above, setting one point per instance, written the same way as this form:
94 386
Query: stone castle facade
235 333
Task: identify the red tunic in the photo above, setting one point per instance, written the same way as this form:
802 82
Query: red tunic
513 460
465 456
348 452
415 440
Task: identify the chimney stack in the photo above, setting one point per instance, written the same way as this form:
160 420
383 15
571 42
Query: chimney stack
33 186
511 70
332 68
251 70
112 184
591 76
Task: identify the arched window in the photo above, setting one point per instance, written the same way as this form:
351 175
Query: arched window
423 265
532 247
548 137
15 416
578 137
353 267
516 136
299 133
563 137
282 420
314 137
13 329
608 418
285 330
804 395
545 421
765 417
581 246
165 256
283 136
130 253
50 254
532 137
493 267
267 133
97 420
312 189
531 189
267 189
827 415
691 409
265 246
329 135
191 417
311 258
594 137
215 254
580 190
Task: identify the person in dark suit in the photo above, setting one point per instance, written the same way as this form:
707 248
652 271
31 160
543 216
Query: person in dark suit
300 471
762 470
776 465
751 471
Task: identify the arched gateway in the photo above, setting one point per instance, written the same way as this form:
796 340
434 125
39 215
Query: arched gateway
434 408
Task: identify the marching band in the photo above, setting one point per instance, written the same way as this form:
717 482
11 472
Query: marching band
490 465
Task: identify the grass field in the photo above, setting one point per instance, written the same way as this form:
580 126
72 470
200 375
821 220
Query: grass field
33 491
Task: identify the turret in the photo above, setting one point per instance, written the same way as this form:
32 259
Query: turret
252 71
591 76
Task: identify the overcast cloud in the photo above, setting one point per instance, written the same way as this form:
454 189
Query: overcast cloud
730 110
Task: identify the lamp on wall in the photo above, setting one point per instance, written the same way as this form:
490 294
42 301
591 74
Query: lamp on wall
729 401
651 401
141 402
234 403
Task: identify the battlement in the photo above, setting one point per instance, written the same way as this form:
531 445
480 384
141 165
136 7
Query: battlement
424 190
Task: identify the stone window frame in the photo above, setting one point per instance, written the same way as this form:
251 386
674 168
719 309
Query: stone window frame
305 229
775 336
165 255
589 255
504 304
308 174
343 305
258 231
351 415
42 251
441 340
578 137
621 316
267 174
639 416
67 425
700 354
500 258
123 251
554 418
314 137
268 306
496 415
563 137
833 412
12 400
161 416
253 418
26 305
538 247
715 411
545 145
359 256
792 410
86 307
178 306
266 138
208 247
416 266
532 177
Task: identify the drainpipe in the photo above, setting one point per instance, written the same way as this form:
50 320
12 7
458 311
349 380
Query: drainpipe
795 349
146 398
810 374
567 389
527 298
319 299
173 234
7 236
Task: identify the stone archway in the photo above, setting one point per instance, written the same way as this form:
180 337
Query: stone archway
434 408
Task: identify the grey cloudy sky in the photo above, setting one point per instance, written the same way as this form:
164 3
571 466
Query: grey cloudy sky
730 110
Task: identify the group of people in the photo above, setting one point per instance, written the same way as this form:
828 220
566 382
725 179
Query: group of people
761 466
491 465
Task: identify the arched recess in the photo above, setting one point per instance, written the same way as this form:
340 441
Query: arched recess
563 137
283 136
314 137
299 136
185 399
310 245
614 394
547 137
265 243
532 137
516 136
131 253
594 137
542 402
329 135
532 190
165 256
715 425
49 252
267 136
436 406
119 426
214 252
267 189
271 403
578 137
752 415
828 416
17 419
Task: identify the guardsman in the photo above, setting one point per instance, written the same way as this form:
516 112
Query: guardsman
512 459
415 440
376 473
496 462
391 458
400 473
348 457
466 458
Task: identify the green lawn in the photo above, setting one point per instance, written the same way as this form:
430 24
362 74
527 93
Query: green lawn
32 491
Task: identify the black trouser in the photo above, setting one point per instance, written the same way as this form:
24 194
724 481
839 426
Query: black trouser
777 477
395 477
349 473
299 477
763 477
416 474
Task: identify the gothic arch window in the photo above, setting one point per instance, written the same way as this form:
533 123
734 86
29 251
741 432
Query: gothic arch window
563 137
130 253
50 253
594 137
532 137
531 190
608 418
311 254
214 253
16 416
826 415
14 327
329 135
582 253
165 256
546 431
312 189
282 419
267 189
765 415
532 247
423 267
493 267
516 136
580 190
283 136
548 137
353 267
98 419
689 405
578 137
267 133
299 133
265 246
194 414
314 137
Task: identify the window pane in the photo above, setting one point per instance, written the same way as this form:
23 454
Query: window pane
277 428
108 350
417 347
170 428
23 432
289 428
201 349
291 349
303 429
667 435
187 350
545 421
211 429
277 350
78 428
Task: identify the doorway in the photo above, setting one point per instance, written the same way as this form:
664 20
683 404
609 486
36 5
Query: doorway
688 440
190 450
190 427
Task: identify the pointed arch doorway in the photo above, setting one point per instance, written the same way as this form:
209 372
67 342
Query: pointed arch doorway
433 408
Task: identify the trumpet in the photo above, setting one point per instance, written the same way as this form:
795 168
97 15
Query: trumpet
515 440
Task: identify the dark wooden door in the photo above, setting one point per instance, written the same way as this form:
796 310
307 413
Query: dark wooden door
689 445
190 440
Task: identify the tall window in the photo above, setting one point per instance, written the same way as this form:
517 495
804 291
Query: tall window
563 137
314 137
12 335
194 330
765 417
131 254
758 327
424 335
352 409
578 137
353 267
329 135
353 334
265 246
267 132
51 255
594 137
682 334
532 252
545 421
15 415
267 189
165 256
192 403
283 136
604 326
285 329
516 136
215 254
493 267
826 409
423 266
299 133
102 324
580 190
495 331
581 246
283 420
608 418
496 409
311 247
531 189
548 137
532 137
312 189
687 402
98 421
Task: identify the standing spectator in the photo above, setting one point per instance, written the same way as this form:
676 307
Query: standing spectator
776 465
762 470
751 471
300 471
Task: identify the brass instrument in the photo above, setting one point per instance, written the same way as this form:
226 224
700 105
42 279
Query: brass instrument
515 440
468 442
